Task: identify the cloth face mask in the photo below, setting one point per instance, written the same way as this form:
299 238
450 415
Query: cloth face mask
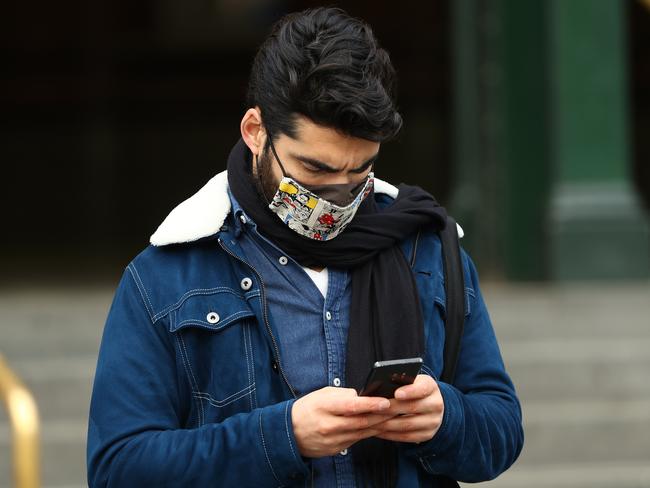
305 210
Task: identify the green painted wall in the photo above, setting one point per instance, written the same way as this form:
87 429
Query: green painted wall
542 153
587 52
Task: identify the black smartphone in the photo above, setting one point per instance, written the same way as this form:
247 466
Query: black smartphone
387 376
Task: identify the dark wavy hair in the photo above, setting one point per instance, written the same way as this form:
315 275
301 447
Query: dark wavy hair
329 67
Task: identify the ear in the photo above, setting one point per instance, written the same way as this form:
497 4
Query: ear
252 131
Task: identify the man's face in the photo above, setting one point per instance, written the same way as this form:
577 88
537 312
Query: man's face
318 156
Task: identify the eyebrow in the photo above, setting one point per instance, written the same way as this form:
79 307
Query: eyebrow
329 169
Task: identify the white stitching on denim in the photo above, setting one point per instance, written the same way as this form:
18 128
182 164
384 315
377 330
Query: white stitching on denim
191 293
471 296
248 366
189 366
286 426
266 453
250 343
197 291
194 383
222 403
187 372
205 393
205 291
137 285
222 323
143 289
331 361
210 398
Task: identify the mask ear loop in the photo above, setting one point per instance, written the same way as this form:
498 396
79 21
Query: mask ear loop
284 173
257 164
259 176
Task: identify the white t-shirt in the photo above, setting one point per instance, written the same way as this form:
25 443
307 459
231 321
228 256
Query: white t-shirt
320 279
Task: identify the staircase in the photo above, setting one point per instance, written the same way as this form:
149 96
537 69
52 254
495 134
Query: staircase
50 337
579 356
580 359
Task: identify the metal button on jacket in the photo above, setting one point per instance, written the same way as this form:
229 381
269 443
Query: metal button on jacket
246 284
283 260
212 317
337 382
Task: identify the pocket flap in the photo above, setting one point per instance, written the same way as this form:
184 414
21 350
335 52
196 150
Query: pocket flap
215 310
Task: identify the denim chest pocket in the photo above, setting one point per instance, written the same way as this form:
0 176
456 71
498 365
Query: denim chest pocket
214 334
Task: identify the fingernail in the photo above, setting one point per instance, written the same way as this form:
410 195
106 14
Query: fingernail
383 405
400 394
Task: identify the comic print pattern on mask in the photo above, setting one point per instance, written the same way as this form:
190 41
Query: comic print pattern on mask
309 215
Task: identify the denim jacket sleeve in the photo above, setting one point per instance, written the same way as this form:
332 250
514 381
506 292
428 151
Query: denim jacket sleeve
135 435
481 433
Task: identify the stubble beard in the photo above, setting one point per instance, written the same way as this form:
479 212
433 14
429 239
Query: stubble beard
264 181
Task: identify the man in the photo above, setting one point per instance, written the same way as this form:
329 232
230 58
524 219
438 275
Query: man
238 342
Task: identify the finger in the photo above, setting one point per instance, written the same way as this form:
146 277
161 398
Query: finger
358 405
378 419
360 422
409 423
423 386
348 439
411 407
363 434
353 423
413 437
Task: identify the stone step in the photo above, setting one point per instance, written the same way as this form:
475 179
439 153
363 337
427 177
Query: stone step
61 386
579 368
622 444
48 319
58 322
583 432
573 475
562 370
579 356
63 453
586 431
590 310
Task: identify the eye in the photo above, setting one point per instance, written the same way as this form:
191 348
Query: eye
365 167
312 169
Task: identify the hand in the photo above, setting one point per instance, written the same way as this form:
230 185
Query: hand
418 410
328 420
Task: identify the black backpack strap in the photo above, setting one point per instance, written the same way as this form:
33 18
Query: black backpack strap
455 311
455 302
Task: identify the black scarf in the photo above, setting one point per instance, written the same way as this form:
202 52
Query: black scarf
385 314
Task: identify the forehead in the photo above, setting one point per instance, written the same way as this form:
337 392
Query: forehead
329 145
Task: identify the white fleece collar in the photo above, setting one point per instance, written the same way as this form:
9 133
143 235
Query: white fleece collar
204 213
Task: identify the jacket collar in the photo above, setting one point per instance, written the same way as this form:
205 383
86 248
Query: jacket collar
204 213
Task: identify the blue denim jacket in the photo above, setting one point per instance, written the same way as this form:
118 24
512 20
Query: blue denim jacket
312 329
190 389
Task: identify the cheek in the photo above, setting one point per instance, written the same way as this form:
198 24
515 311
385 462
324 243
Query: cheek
268 178
270 170
275 174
